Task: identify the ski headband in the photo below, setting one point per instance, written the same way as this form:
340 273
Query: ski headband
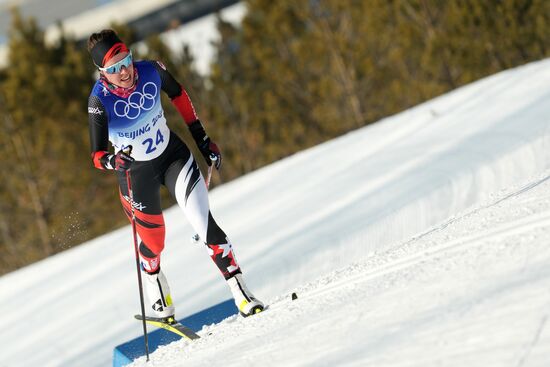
105 49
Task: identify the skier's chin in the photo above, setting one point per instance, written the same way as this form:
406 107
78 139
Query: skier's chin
127 83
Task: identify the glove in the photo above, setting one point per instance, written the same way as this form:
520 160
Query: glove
208 148
122 161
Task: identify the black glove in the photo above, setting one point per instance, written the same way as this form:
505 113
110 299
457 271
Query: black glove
122 161
208 148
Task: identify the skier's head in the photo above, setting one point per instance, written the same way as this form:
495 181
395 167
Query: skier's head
112 58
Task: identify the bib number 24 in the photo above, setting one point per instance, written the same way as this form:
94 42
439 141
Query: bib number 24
152 144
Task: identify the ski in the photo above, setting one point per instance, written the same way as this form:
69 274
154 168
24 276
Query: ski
171 325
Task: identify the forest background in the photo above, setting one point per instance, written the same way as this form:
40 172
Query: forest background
292 75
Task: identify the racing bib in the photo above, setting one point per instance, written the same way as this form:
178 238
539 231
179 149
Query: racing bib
139 119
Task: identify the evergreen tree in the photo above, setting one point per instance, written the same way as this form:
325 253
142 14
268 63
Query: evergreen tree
292 75
49 192
298 73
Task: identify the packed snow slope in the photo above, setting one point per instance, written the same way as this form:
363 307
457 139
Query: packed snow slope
436 218
474 291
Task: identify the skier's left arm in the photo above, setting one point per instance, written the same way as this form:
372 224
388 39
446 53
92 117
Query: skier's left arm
180 99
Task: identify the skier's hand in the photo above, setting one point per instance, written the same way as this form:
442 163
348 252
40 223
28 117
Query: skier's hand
122 160
214 155
207 147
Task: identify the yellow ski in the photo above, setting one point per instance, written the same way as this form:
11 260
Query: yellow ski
171 325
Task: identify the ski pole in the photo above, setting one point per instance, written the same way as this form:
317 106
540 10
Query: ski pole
213 158
140 284
208 177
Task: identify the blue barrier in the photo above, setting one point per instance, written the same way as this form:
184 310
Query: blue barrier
127 352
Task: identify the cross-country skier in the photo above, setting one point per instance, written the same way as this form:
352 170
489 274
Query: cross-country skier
124 108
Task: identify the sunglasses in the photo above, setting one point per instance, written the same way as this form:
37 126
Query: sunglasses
115 68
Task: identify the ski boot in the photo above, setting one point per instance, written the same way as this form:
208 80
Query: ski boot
247 304
158 294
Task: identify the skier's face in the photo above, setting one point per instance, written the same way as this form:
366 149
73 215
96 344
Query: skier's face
124 78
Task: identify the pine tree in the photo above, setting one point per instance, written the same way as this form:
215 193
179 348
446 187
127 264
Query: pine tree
292 75
48 180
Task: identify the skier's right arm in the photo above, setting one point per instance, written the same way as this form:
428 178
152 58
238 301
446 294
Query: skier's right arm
99 134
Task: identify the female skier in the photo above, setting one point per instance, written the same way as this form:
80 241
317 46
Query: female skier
124 108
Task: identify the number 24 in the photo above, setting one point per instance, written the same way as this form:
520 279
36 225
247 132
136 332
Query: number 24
151 145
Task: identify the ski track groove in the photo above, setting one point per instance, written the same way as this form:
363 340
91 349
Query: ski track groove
529 348
536 338
514 227
421 249
508 228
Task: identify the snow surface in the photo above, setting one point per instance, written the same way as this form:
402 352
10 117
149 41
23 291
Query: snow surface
474 291
421 240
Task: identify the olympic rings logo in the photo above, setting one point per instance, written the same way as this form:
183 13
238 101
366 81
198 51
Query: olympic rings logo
144 100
